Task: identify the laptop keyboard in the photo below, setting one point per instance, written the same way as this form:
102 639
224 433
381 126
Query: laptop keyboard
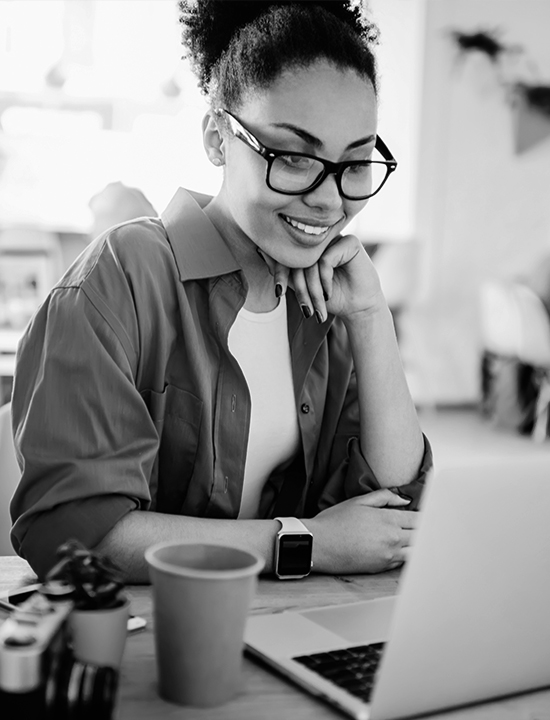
352 669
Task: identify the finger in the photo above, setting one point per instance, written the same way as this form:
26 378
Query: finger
407 536
397 501
326 275
278 271
403 553
343 251
408 519
397 562
271 264
280 277
299 284
316 292
383 498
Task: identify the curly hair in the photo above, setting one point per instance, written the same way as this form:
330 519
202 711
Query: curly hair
235 46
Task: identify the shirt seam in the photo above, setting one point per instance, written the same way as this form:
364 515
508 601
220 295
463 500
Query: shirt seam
126 343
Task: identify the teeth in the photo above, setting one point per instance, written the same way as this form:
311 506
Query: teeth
309 229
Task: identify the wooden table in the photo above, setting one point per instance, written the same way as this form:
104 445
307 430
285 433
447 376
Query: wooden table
264 695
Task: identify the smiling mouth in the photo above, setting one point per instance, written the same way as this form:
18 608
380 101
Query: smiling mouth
306 228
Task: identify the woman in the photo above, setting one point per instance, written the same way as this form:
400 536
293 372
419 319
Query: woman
234 361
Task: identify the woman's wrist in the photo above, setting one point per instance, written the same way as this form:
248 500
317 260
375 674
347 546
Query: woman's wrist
377 311
318 557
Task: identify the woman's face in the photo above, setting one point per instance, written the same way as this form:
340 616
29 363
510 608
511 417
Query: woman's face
320 110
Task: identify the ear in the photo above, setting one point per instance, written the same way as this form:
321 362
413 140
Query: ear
213 139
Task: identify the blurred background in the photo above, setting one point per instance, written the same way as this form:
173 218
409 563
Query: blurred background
100 121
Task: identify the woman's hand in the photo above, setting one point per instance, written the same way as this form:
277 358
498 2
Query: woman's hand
342 282
365 534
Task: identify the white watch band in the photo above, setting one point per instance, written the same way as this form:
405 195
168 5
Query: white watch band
292 525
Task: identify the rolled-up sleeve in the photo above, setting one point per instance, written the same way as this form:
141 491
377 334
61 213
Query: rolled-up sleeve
354 476
84 439
344 471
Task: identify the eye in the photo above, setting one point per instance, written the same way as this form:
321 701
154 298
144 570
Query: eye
296 162
359 170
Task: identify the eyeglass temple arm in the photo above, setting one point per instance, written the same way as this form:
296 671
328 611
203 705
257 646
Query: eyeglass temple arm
241 132
384 150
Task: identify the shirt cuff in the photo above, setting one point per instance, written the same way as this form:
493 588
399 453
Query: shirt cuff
87 520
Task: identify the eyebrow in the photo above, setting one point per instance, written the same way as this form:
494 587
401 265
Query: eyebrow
315 142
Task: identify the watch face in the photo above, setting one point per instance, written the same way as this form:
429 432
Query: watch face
294 554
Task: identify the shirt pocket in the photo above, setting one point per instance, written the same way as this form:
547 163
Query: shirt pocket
177 416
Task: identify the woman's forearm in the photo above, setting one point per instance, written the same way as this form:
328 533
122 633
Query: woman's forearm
127 541
363 534
391 437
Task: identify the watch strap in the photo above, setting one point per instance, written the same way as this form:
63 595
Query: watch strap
292 525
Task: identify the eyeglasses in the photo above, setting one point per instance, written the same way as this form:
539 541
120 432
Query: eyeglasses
298 173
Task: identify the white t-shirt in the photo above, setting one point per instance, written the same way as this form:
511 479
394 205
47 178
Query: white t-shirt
259 343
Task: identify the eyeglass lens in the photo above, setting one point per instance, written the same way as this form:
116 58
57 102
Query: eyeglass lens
294 173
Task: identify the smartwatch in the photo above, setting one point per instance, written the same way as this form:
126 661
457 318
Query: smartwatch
293 549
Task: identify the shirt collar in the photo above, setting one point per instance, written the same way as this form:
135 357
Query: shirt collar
198 248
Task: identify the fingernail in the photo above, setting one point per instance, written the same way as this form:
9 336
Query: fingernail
306 311
278 290
401 494
318 317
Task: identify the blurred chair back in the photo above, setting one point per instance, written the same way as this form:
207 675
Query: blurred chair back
516 330
9 478
515 322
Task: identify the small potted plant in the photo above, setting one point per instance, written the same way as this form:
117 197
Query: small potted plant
98 622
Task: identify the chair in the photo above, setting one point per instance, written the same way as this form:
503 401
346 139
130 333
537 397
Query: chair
515 325
515 322
9 478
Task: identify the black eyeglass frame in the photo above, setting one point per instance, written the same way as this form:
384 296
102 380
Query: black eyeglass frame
330 168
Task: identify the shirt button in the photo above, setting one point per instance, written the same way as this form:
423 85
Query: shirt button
305 408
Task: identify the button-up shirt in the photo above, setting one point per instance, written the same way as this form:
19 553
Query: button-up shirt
126 395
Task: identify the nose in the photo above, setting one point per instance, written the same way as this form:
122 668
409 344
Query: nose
325 196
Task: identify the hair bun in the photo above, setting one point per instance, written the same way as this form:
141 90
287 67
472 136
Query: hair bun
210 25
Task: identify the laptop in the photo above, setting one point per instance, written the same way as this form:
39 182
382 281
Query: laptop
471 620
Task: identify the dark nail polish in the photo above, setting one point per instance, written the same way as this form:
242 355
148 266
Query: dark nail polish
318 317
278 290
306 311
